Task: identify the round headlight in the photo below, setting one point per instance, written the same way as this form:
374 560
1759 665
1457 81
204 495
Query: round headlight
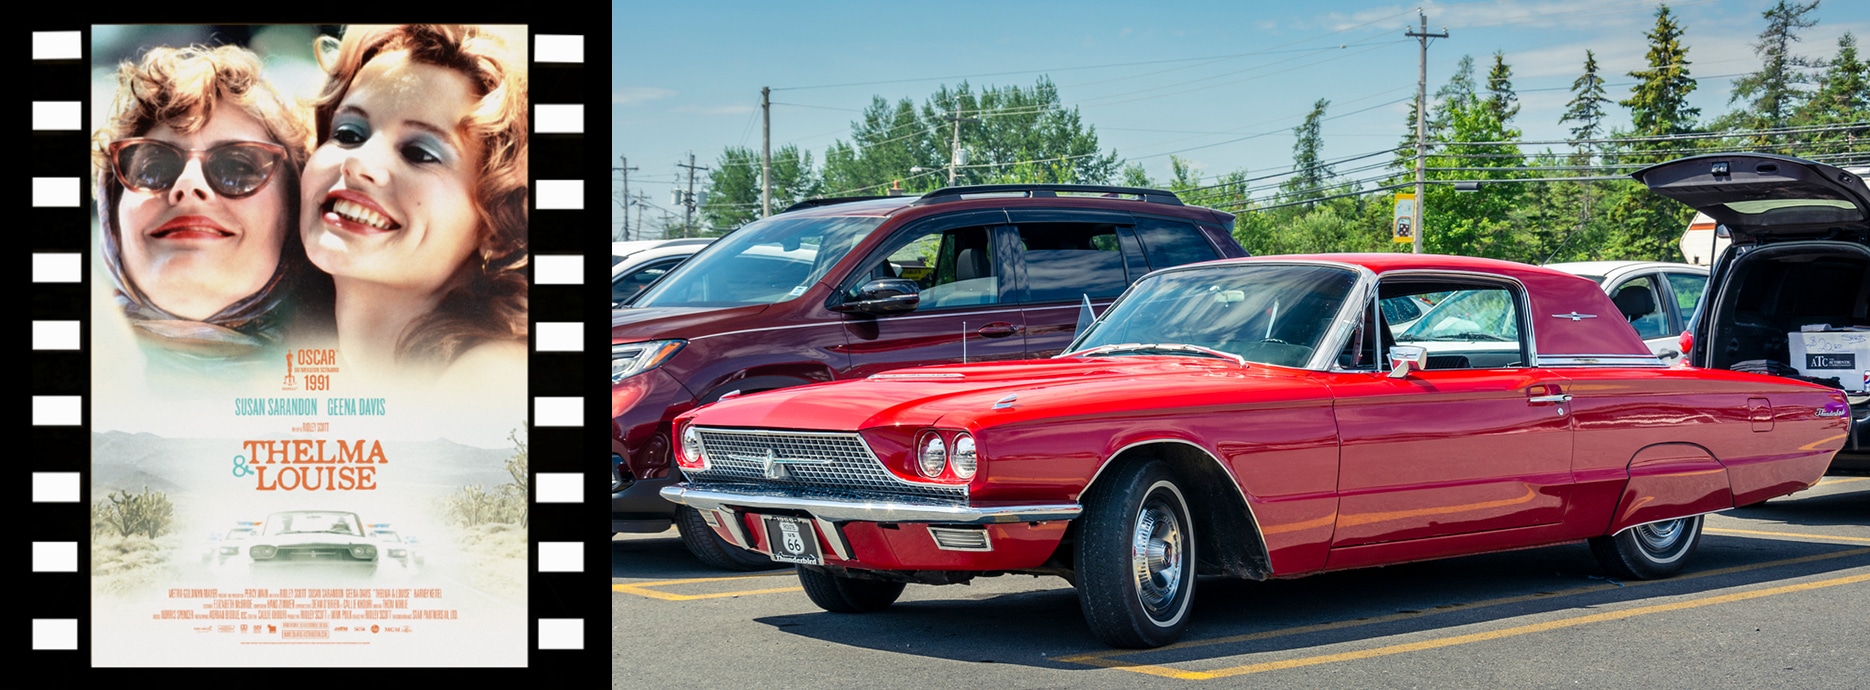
933 456
965 459
364 552
693 455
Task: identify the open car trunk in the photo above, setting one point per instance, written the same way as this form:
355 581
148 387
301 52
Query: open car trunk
1799 265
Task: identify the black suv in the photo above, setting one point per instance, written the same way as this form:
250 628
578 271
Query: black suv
845 288
1791 294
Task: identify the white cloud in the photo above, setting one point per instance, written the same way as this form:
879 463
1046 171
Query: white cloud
639 94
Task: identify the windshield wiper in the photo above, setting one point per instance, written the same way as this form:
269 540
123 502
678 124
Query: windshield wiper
1149 347
1486 337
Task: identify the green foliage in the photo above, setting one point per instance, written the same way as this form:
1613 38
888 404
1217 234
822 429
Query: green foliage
734 185
1586 109
1773 93
1500 97
148 513
1843 97
1309 171
1006 134
1659 102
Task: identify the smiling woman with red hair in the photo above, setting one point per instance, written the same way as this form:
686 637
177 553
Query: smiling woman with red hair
415 200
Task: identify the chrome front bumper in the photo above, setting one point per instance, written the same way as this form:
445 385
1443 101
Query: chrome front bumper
873 510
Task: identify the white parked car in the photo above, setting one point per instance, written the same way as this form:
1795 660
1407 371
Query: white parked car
636 264
1656 297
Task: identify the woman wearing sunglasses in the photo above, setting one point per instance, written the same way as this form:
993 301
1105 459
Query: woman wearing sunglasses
415 199
197 166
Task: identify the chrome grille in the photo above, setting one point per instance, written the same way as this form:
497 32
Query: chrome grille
824 464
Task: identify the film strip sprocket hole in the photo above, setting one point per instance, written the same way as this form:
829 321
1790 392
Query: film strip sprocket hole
562 588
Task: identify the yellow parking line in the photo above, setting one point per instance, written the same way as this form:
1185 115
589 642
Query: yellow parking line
1520 630
1104 658
642 589
1795 535
1841 480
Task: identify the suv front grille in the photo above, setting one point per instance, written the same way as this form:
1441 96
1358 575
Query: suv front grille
809 464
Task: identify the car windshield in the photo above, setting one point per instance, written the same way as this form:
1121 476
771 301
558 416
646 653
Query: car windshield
1467 316
304 523
768 261
1266 313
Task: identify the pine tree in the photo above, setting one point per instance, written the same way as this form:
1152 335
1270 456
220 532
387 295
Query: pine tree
1309 172
1659 102
1842 98
1772 94
1586 109
1500 97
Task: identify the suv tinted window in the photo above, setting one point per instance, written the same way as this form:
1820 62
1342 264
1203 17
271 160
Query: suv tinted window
1066 261
1168 243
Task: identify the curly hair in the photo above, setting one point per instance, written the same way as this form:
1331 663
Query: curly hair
484 302
181 87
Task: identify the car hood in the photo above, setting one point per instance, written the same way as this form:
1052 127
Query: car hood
637 324
313 538
973 396
1762 197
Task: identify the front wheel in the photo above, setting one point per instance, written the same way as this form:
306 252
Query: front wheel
1649 551
712 549
1136 558
839 594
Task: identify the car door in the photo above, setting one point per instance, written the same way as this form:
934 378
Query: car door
1448 451
967 310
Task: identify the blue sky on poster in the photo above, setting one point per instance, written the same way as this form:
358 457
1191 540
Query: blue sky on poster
1219 84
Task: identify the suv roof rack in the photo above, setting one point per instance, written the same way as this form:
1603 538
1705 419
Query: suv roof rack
1041 191
833 200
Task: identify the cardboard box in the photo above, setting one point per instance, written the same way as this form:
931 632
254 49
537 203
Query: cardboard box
1840 354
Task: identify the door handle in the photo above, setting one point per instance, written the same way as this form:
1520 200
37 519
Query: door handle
1560 398
997 329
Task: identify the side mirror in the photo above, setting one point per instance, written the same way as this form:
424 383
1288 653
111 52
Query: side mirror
1407 358
884 296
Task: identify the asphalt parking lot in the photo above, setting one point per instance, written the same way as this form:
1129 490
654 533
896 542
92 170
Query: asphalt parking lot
1777 595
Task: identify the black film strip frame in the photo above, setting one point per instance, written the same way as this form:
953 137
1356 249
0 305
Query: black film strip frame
568 607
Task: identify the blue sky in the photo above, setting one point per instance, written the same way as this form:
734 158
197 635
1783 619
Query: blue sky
1219 84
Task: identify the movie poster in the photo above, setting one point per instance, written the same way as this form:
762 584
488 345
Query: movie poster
309 338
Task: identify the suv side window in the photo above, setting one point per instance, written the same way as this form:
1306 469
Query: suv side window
1641 303
952 267
1169 243
1065 261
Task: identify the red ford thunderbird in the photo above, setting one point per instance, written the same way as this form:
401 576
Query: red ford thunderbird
1255 418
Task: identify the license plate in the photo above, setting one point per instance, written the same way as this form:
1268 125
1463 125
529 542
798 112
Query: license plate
792 540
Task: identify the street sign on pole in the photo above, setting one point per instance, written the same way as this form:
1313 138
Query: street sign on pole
1402 229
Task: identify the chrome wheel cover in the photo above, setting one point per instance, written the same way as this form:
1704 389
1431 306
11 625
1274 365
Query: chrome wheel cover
1659 538
1158 551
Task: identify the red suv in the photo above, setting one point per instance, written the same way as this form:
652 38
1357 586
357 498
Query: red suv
847 288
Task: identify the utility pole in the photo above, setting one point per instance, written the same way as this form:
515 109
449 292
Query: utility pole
954 150
688 202
1421 126
641 201
624 162
766 151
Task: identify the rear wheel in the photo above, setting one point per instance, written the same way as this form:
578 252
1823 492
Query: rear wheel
1649 551
1136 558
712 549
840 594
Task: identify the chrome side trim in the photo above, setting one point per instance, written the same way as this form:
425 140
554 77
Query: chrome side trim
1622 360
1679 517
1235 481
834 537
871 511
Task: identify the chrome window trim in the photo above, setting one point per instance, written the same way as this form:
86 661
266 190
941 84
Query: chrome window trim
1522 300
1649 361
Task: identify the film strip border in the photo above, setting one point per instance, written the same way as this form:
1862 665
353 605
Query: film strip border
567 604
